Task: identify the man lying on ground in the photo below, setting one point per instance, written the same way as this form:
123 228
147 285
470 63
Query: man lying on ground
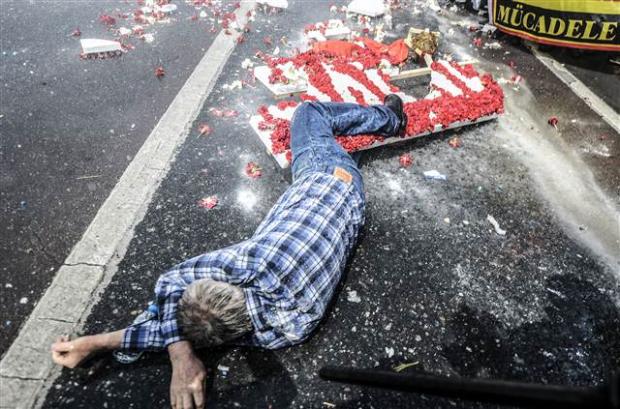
273 289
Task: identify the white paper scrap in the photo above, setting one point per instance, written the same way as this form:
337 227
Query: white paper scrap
495 224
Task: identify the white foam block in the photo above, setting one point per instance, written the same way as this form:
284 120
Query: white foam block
371 8
95 45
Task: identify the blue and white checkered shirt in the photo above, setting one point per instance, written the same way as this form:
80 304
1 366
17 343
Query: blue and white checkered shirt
288 270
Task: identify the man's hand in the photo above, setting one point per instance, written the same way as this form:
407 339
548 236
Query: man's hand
187 388
71 353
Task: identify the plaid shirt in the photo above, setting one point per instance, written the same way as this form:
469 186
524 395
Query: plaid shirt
288 270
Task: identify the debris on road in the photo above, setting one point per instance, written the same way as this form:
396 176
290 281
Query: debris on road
422 41
495 45
405 160
97 48
233 85
274 4
488 29
223 113
495 224
253 171
389 351
160 72
434 174
208 202
370 8
553 121
204 129
334 29
455 142
352 296
76 32
405 365
246 64
168 8
107 20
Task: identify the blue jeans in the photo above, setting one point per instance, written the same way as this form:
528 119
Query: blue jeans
313 128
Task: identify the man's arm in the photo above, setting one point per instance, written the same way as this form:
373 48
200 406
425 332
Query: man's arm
72 353
187 386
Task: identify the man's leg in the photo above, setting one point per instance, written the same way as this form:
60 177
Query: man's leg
315 124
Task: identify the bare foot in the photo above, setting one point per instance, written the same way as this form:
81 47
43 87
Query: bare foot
71 353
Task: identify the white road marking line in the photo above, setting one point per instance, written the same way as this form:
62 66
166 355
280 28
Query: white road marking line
26 370
599 106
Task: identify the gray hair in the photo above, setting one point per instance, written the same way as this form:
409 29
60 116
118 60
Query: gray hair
212 312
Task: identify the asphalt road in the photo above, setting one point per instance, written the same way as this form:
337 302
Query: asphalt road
439 288
69 128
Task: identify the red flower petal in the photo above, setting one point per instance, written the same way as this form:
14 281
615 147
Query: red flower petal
405 160
204 129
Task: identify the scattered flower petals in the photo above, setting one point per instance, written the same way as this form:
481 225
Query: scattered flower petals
268 41
204 129
455 142
208 202
405 160
107 20
252 170
478 41
160 72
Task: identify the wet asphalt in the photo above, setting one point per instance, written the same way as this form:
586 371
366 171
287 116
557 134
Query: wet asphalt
439 288
69 128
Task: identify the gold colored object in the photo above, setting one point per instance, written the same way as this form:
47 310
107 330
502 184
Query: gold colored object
422 41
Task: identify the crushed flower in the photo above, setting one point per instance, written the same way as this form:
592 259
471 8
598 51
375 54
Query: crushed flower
553 121
107 19
252 170
405 160
208 202
204 129
160 72
455 142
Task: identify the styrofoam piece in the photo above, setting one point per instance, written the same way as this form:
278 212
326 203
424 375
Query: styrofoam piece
340 33
96 45
168 8
262 74
371 8
279 4
280 158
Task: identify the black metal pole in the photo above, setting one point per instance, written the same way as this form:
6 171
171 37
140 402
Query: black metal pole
501 392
